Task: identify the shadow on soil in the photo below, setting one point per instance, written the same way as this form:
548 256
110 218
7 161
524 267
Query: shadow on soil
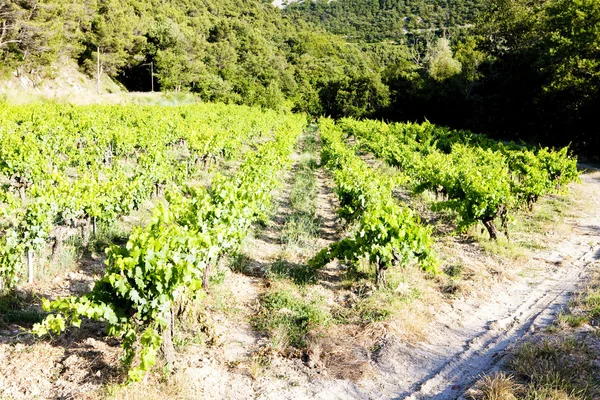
590 229
86 355
281 269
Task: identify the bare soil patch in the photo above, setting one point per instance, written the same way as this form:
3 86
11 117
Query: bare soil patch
445 333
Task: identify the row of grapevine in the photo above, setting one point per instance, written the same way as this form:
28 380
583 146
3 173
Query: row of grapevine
65 167
386 233
479 178
170 259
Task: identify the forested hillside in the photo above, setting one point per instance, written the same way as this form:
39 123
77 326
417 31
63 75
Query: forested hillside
376 20
231 51
523 69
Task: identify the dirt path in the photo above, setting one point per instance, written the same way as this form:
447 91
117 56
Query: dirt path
471 338
326 205
468 336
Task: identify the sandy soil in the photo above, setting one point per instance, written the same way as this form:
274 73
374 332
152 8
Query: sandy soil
468 335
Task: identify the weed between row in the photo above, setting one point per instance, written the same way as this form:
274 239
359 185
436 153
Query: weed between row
291 308
301 226
297 310
289 316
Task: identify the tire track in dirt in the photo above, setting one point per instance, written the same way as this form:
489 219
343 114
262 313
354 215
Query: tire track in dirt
471 337
484 351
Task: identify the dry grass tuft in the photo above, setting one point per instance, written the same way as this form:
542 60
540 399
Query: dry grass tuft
557 367
258 365
498 386
178 386
346 348
411 323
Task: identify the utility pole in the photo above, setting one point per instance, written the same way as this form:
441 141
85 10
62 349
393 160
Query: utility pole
151 64
99 71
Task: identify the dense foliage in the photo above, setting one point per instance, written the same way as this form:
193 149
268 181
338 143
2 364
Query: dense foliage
377 20
76 167
542 77
478 178
385 232
229 51
523 69
169 260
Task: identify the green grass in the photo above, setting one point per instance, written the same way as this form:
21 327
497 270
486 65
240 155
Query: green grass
300 274
162 99
454 270
288 317
585 307
502 247
301 226
574 321
451 282
564 367
374 304
300 230
383 304
107 235
591 303
551 369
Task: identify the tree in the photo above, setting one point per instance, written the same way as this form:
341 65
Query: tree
171 67
8 25
440 62
572 47
357 96
34 33
569 61
117 33
471 59
542 75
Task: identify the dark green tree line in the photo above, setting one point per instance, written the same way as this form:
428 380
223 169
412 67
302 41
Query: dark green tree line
523 69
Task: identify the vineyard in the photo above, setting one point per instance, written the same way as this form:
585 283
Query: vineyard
201 183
